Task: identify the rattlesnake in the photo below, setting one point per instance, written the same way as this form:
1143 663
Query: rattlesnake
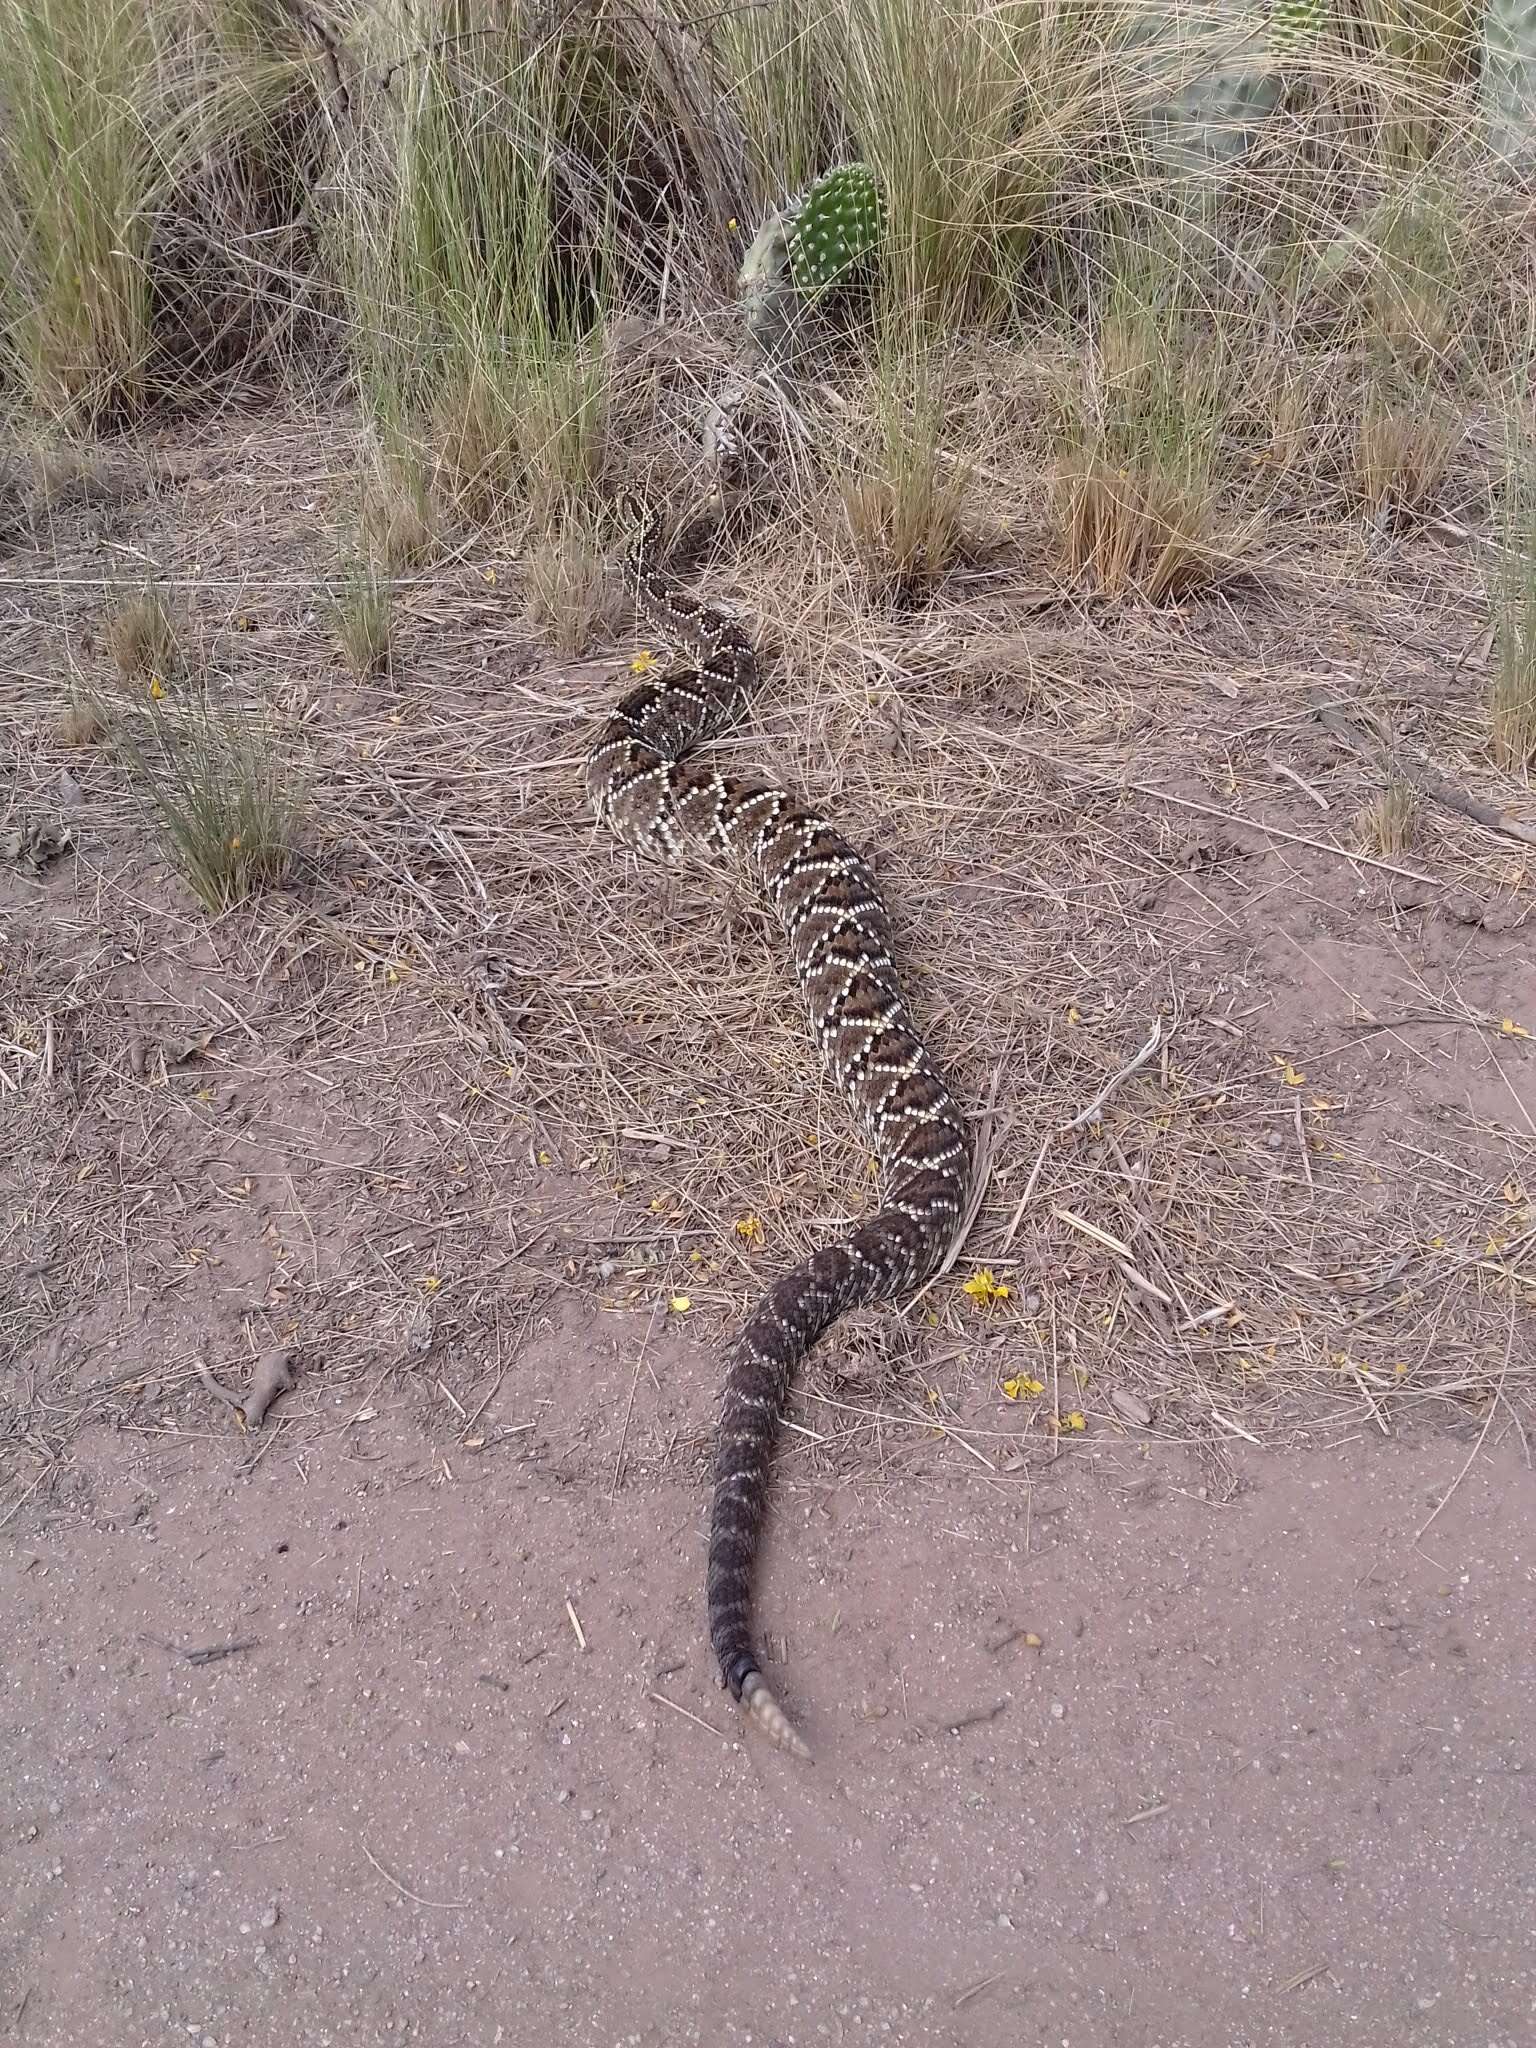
658 801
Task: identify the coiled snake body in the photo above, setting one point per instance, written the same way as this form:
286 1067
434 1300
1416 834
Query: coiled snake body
660 801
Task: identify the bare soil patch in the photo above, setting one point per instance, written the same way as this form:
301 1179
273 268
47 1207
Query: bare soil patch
462 1115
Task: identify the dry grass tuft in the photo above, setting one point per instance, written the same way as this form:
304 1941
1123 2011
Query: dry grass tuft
80 722
217 778
519 440
572 596
144 636
363 617
395 524
1387 822
905 516
1405 442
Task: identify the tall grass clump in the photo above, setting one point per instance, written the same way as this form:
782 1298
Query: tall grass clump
144 636
903 498
477 295
571 595
1416 340
967 112
156 162
363 614
1145 469
80 174
777 92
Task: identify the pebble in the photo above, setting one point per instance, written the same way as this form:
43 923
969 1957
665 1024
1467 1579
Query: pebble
270 1917
1058 1711
1101 1897
1004 1922
587 1813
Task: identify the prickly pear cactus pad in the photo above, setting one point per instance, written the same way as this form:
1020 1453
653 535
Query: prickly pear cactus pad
1509 79
834 226
1293 24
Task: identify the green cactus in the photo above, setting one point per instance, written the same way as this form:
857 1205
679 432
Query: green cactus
835 225
1211 118
1293 24
1509 80
806 248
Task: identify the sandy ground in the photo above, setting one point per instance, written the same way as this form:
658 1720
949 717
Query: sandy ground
1267 1779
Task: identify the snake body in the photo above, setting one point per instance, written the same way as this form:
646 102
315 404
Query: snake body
645 782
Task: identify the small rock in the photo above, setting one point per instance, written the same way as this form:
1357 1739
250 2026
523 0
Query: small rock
1130 1406
269 1919
1058 1711
1005 1923
1101 1897
587 1814
1466 909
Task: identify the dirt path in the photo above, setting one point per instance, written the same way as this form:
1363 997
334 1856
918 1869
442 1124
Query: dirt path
1268 1780
500 1138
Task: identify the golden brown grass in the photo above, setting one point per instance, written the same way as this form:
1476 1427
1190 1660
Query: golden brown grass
1144 472
363 615
573 596
80 722
144 635
1405 441
395 526
1387 822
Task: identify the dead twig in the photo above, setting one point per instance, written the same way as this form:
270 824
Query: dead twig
434 1905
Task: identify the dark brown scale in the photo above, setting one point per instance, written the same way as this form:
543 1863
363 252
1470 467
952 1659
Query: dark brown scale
838 930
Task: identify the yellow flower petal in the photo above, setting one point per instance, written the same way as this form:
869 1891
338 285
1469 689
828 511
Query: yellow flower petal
984 1287
680 1304
1021 1387
642 663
